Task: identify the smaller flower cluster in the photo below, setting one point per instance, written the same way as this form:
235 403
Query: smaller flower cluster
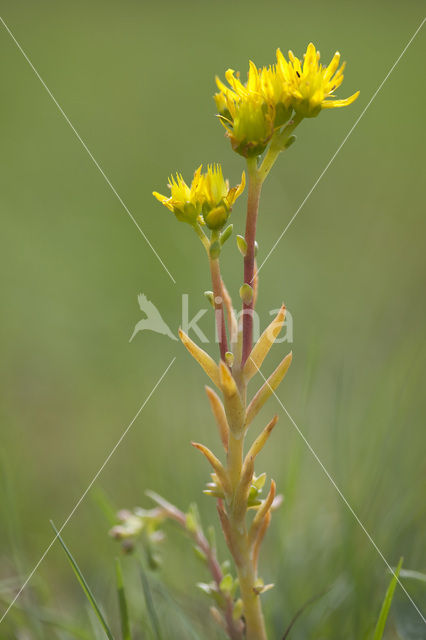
208 200
252 112
146 525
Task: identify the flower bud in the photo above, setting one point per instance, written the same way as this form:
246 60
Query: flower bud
291 140
226 234
217 217
253 128
242 245
229 357
238 609
246 293
209 295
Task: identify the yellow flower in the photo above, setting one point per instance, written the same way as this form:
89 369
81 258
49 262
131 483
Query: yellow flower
251 113
275 92
184 200
246 111
216 196
310 84
208 200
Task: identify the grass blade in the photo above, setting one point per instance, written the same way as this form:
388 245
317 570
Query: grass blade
88 593
150 606
47 617
122 602
415 575
384 612
300 611
182 616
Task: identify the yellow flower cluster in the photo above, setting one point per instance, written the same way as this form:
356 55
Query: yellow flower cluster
252 112
208 200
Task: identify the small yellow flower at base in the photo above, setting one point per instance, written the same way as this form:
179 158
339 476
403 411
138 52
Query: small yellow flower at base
310 84
208 200
217 197
183 201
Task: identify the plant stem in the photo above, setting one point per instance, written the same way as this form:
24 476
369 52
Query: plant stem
218 306
242 549
235 460
255 624
254 189
217 289
234 627
204 239
240 545
256 179
278 143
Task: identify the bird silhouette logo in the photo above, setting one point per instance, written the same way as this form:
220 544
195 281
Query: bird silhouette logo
153 320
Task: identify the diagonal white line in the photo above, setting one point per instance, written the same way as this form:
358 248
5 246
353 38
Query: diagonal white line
333 482
84 494
86 148
345 139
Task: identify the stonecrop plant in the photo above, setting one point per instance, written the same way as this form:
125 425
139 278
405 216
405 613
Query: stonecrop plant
260 117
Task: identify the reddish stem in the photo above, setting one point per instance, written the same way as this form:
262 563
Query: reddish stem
255 187
218 306
233 627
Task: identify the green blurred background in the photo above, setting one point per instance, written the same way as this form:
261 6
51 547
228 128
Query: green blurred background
136 80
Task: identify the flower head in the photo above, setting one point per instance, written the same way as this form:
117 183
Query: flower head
184 200
310 84
216 196
252 112
246 111
208 200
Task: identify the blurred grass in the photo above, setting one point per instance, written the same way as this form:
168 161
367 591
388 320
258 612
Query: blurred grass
136 79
